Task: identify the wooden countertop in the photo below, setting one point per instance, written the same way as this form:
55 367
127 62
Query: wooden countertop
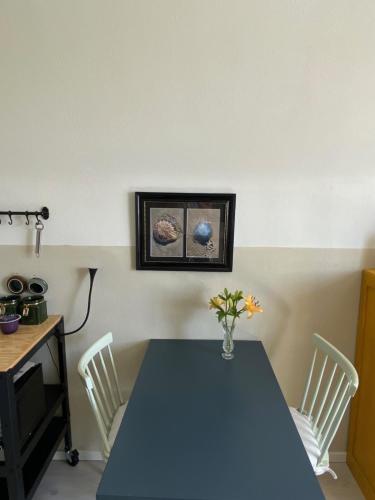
15 346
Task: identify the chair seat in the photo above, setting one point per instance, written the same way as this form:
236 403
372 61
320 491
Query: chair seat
304 427
117 419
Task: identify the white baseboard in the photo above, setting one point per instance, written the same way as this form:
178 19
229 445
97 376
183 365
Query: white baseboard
83 455
334 456
337 456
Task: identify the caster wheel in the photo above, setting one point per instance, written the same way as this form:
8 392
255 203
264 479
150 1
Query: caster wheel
72 457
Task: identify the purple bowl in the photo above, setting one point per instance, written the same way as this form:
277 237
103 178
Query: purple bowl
9 323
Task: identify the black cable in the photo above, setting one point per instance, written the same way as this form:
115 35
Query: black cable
92 276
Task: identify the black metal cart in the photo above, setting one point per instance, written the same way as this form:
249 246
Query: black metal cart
25 464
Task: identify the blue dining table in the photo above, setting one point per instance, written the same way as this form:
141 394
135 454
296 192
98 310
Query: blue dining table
198 427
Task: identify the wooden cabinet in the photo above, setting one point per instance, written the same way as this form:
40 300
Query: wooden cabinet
361 449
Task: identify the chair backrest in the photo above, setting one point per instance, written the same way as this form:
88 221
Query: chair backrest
99 375
325 403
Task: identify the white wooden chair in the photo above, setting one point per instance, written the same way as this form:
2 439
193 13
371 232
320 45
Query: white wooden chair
324 404
98 372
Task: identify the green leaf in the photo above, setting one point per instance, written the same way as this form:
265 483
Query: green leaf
220 315
238 295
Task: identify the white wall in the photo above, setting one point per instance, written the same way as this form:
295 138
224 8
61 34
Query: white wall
270 99
273 100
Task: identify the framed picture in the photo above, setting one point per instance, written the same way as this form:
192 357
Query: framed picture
184 231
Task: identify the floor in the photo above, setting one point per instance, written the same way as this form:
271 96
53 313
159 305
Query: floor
63 482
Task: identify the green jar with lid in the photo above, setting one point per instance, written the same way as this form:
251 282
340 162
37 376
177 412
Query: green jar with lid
9 304
33 310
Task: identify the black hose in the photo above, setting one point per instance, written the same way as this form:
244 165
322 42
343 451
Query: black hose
92 272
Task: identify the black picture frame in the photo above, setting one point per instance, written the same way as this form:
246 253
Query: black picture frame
184 231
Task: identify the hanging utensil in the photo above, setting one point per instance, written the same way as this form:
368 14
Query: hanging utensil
39 226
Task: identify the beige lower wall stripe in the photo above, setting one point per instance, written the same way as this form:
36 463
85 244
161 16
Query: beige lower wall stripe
302 291
335 457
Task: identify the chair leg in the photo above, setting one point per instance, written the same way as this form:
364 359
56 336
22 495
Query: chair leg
332 472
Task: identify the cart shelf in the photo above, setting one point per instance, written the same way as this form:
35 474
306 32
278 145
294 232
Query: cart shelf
54 396
42 454
25 463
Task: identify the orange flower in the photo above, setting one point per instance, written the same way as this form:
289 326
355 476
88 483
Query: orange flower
252 306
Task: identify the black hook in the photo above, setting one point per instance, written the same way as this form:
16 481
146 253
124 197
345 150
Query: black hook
37 218
10 218
27 218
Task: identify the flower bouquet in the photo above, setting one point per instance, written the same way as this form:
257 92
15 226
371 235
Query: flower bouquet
229 306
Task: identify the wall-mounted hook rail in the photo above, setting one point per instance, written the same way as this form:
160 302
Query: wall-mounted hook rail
44 213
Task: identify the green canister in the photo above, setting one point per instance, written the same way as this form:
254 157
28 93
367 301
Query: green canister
9 304
33 310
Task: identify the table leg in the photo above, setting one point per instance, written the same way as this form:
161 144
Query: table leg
64 382
8 416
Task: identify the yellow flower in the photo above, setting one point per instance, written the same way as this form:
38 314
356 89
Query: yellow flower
252 306
215 303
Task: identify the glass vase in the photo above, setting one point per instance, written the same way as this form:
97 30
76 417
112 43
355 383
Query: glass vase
228 345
